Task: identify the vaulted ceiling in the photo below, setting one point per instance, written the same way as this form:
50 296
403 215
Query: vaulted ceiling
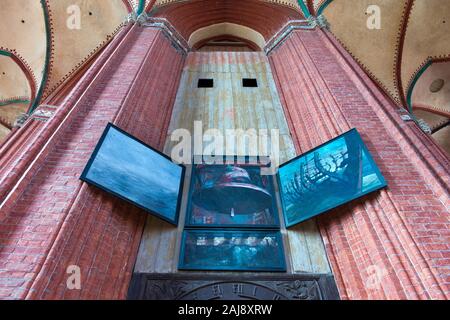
41 45
411 33
405 56
44 42
266 17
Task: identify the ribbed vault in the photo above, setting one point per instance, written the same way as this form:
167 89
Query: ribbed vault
289 3
414 34
262 16
411 33
226 29
404 56
17 89
42 35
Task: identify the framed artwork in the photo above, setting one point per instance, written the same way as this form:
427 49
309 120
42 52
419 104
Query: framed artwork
128 168
326 177
233 194
232 250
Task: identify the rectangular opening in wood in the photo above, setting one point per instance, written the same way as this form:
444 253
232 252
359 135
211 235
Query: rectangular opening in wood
249 83
205 83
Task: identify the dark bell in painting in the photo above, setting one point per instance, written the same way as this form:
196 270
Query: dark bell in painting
236 186
230 195
232 222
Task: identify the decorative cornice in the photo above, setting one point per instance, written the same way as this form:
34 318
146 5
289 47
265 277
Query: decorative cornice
142 18
44 112
21 119
319 21
131 18
169 30
283 34
424 126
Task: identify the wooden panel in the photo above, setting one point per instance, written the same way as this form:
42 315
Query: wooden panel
229 106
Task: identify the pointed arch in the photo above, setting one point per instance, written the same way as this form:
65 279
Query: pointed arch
254 39
415 79
265 17
25 69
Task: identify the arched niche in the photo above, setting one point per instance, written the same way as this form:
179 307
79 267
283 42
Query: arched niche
252 38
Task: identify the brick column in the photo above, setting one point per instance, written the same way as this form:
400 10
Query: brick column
393 244
50 219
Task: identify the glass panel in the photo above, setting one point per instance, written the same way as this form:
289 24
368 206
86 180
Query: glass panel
131 170
231 195
337 172
232 250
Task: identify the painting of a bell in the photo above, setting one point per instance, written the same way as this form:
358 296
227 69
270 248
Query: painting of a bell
232 193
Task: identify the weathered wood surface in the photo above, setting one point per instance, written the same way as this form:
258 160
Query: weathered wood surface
229 106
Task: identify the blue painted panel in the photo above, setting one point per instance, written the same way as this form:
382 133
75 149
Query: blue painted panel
128 168
328 176
232 250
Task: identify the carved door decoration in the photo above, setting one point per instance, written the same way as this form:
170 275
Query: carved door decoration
179 287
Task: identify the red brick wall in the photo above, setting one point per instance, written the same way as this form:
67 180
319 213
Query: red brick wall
400 235
51 219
